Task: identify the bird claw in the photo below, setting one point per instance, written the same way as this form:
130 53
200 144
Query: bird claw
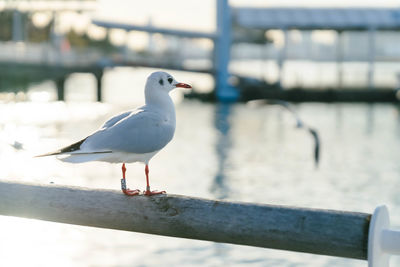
129 192
150 193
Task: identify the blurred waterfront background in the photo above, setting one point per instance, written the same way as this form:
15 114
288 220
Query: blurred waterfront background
247 151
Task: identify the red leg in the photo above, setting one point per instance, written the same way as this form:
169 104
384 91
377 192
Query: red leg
125 190
148 192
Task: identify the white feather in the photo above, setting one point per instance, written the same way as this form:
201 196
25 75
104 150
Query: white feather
113 157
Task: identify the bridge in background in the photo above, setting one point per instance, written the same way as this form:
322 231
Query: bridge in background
51 61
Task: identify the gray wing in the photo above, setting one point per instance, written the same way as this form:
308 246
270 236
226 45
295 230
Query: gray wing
140 131
115 119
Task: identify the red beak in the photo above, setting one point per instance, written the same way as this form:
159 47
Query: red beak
183 85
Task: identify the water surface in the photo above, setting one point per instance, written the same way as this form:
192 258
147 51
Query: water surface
242 152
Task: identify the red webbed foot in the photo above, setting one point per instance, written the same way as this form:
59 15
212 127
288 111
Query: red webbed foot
151 193
129 192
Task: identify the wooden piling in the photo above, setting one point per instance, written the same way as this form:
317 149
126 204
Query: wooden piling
99 84
60 82
326 232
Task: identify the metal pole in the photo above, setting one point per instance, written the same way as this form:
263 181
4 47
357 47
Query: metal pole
224 91
17 27
371 57
339 59
282 55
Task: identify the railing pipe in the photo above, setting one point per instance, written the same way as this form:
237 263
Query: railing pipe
327 232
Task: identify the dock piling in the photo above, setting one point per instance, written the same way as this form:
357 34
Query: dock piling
99 83
60 83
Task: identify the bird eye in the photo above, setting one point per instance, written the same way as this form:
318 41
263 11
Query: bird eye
161 82
170 80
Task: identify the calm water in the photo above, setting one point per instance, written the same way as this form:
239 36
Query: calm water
244 152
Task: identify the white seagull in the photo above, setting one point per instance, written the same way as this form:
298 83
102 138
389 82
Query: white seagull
132 136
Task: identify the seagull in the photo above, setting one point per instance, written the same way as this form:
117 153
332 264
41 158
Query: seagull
132 136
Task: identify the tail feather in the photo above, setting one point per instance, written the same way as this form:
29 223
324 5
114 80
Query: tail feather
74 150
68 149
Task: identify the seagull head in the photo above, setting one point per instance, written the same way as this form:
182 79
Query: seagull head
163 81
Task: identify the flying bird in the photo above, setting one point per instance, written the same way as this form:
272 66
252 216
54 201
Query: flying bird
132 136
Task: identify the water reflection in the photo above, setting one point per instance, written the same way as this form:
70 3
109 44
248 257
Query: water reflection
370 119
219 187
396 108
339 118
359 173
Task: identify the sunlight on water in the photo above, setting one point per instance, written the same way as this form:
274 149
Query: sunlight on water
240 152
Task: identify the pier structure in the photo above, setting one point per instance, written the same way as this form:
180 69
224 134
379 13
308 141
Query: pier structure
25 62
340 20
222 39
242 24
